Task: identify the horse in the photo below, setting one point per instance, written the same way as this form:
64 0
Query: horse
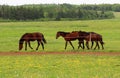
91 36
80 39
68 37
27 37
95 37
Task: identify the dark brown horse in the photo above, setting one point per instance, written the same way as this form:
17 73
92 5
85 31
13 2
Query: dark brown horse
80 39
27 37
68 37
91 36
95 37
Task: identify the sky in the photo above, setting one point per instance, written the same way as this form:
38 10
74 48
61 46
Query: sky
22 2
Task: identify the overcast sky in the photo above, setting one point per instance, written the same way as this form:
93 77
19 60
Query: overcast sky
22 2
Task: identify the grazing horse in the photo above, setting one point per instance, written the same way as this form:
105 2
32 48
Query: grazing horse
27 37
93 37
68 37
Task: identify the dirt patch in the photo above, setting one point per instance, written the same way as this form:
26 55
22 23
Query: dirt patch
59 53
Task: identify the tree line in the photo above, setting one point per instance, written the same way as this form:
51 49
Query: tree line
58 12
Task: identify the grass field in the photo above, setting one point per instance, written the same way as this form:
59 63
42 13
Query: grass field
12 31
59 66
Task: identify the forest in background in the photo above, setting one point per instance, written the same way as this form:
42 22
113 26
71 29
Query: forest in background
45 12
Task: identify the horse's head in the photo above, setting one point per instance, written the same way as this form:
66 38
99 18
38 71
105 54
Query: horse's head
61 33
20 44
58 35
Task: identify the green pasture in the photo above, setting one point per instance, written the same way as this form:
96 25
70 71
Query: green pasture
59 66
10 33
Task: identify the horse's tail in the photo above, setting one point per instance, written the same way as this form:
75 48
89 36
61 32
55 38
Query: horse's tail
43 39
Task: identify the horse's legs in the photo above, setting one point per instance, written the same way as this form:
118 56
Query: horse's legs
79 45
71 44
66 45
25 45
92 44
83 45
87 44
102 45
38 45
30 45
42 45
97 45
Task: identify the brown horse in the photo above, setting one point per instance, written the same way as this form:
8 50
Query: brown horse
68 37
96 38
80 39
91 36
27 37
